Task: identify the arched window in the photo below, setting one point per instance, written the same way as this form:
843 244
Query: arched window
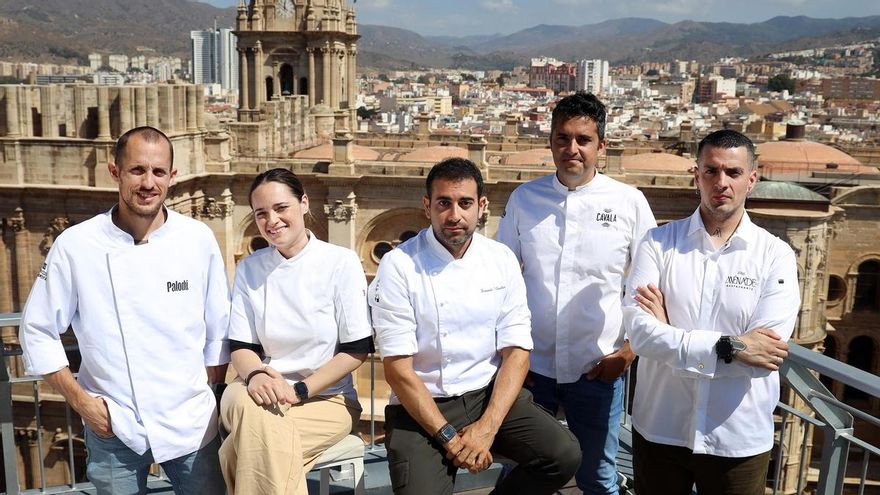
270 87
286 75
867 295
836 289
859 355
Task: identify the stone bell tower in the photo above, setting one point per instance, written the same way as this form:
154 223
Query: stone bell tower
297 47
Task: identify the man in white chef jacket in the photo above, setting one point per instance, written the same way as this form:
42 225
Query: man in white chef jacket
452 325
575 232
146 293
713 298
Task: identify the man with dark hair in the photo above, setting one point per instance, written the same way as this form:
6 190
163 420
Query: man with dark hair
709 350
145 291
452 327
575 232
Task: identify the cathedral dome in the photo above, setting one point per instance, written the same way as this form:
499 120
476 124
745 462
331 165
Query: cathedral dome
540 157
657 162
434 154
800 156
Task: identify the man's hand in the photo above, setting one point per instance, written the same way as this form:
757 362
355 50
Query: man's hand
95 414
216 374
470 448
651 300
613 366
764 349
268 389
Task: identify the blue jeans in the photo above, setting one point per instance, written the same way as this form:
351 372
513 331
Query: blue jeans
115 469
592 410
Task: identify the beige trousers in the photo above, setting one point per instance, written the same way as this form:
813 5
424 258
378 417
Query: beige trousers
268 451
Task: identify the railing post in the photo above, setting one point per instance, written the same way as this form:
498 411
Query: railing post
7 431
836 448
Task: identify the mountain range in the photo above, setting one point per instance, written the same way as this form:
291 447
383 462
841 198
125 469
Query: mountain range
66 30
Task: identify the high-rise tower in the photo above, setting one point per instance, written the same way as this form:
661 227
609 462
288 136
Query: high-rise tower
296 47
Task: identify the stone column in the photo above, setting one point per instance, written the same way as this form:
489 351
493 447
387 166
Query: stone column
614 157
165 112
80 112
125 114
352 78
341 211
260 82
311 52
325 74
343 153
47 112
243 100
477 153
6 275
191 107
13 128
23 277
141 106
103 113
200 107
24 110
151 99
335 85
276 80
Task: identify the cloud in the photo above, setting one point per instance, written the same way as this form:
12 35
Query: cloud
498 5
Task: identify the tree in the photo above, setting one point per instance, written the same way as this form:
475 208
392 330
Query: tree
383 77
781 82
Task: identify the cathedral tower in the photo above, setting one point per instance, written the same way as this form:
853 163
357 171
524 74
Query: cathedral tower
296 47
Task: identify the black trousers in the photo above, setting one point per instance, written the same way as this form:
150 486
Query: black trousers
547 454
670 470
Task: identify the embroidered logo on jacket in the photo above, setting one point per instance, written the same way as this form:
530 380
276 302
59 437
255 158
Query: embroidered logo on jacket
741 281
606 217
178 286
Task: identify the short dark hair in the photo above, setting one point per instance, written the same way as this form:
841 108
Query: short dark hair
281 176
455 169
147 133
727 139
580 104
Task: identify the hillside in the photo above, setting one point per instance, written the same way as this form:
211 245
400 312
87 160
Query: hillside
66 30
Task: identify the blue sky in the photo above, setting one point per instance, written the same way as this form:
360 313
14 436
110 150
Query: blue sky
468 17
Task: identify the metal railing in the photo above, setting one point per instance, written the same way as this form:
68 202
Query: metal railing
820 410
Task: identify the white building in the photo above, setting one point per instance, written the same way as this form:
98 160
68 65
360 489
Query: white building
215 58
592 76
119 63
96 60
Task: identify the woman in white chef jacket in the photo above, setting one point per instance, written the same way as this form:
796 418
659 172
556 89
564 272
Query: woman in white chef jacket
297 330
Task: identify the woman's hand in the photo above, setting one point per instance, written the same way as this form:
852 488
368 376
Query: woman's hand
270 388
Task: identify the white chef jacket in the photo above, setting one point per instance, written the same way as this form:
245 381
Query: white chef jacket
575 247
148 319
300 309
452 315
685 395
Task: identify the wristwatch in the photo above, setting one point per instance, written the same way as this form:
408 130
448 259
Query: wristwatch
446 433
727 347
301 390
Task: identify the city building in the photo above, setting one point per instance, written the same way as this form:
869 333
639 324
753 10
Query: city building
592 76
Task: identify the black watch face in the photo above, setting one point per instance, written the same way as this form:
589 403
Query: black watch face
446 433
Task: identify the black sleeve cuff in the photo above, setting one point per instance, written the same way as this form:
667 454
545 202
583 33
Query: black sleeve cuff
362 346
235 345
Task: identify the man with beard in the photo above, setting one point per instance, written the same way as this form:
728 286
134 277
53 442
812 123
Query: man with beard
146 293
452 325
575 232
